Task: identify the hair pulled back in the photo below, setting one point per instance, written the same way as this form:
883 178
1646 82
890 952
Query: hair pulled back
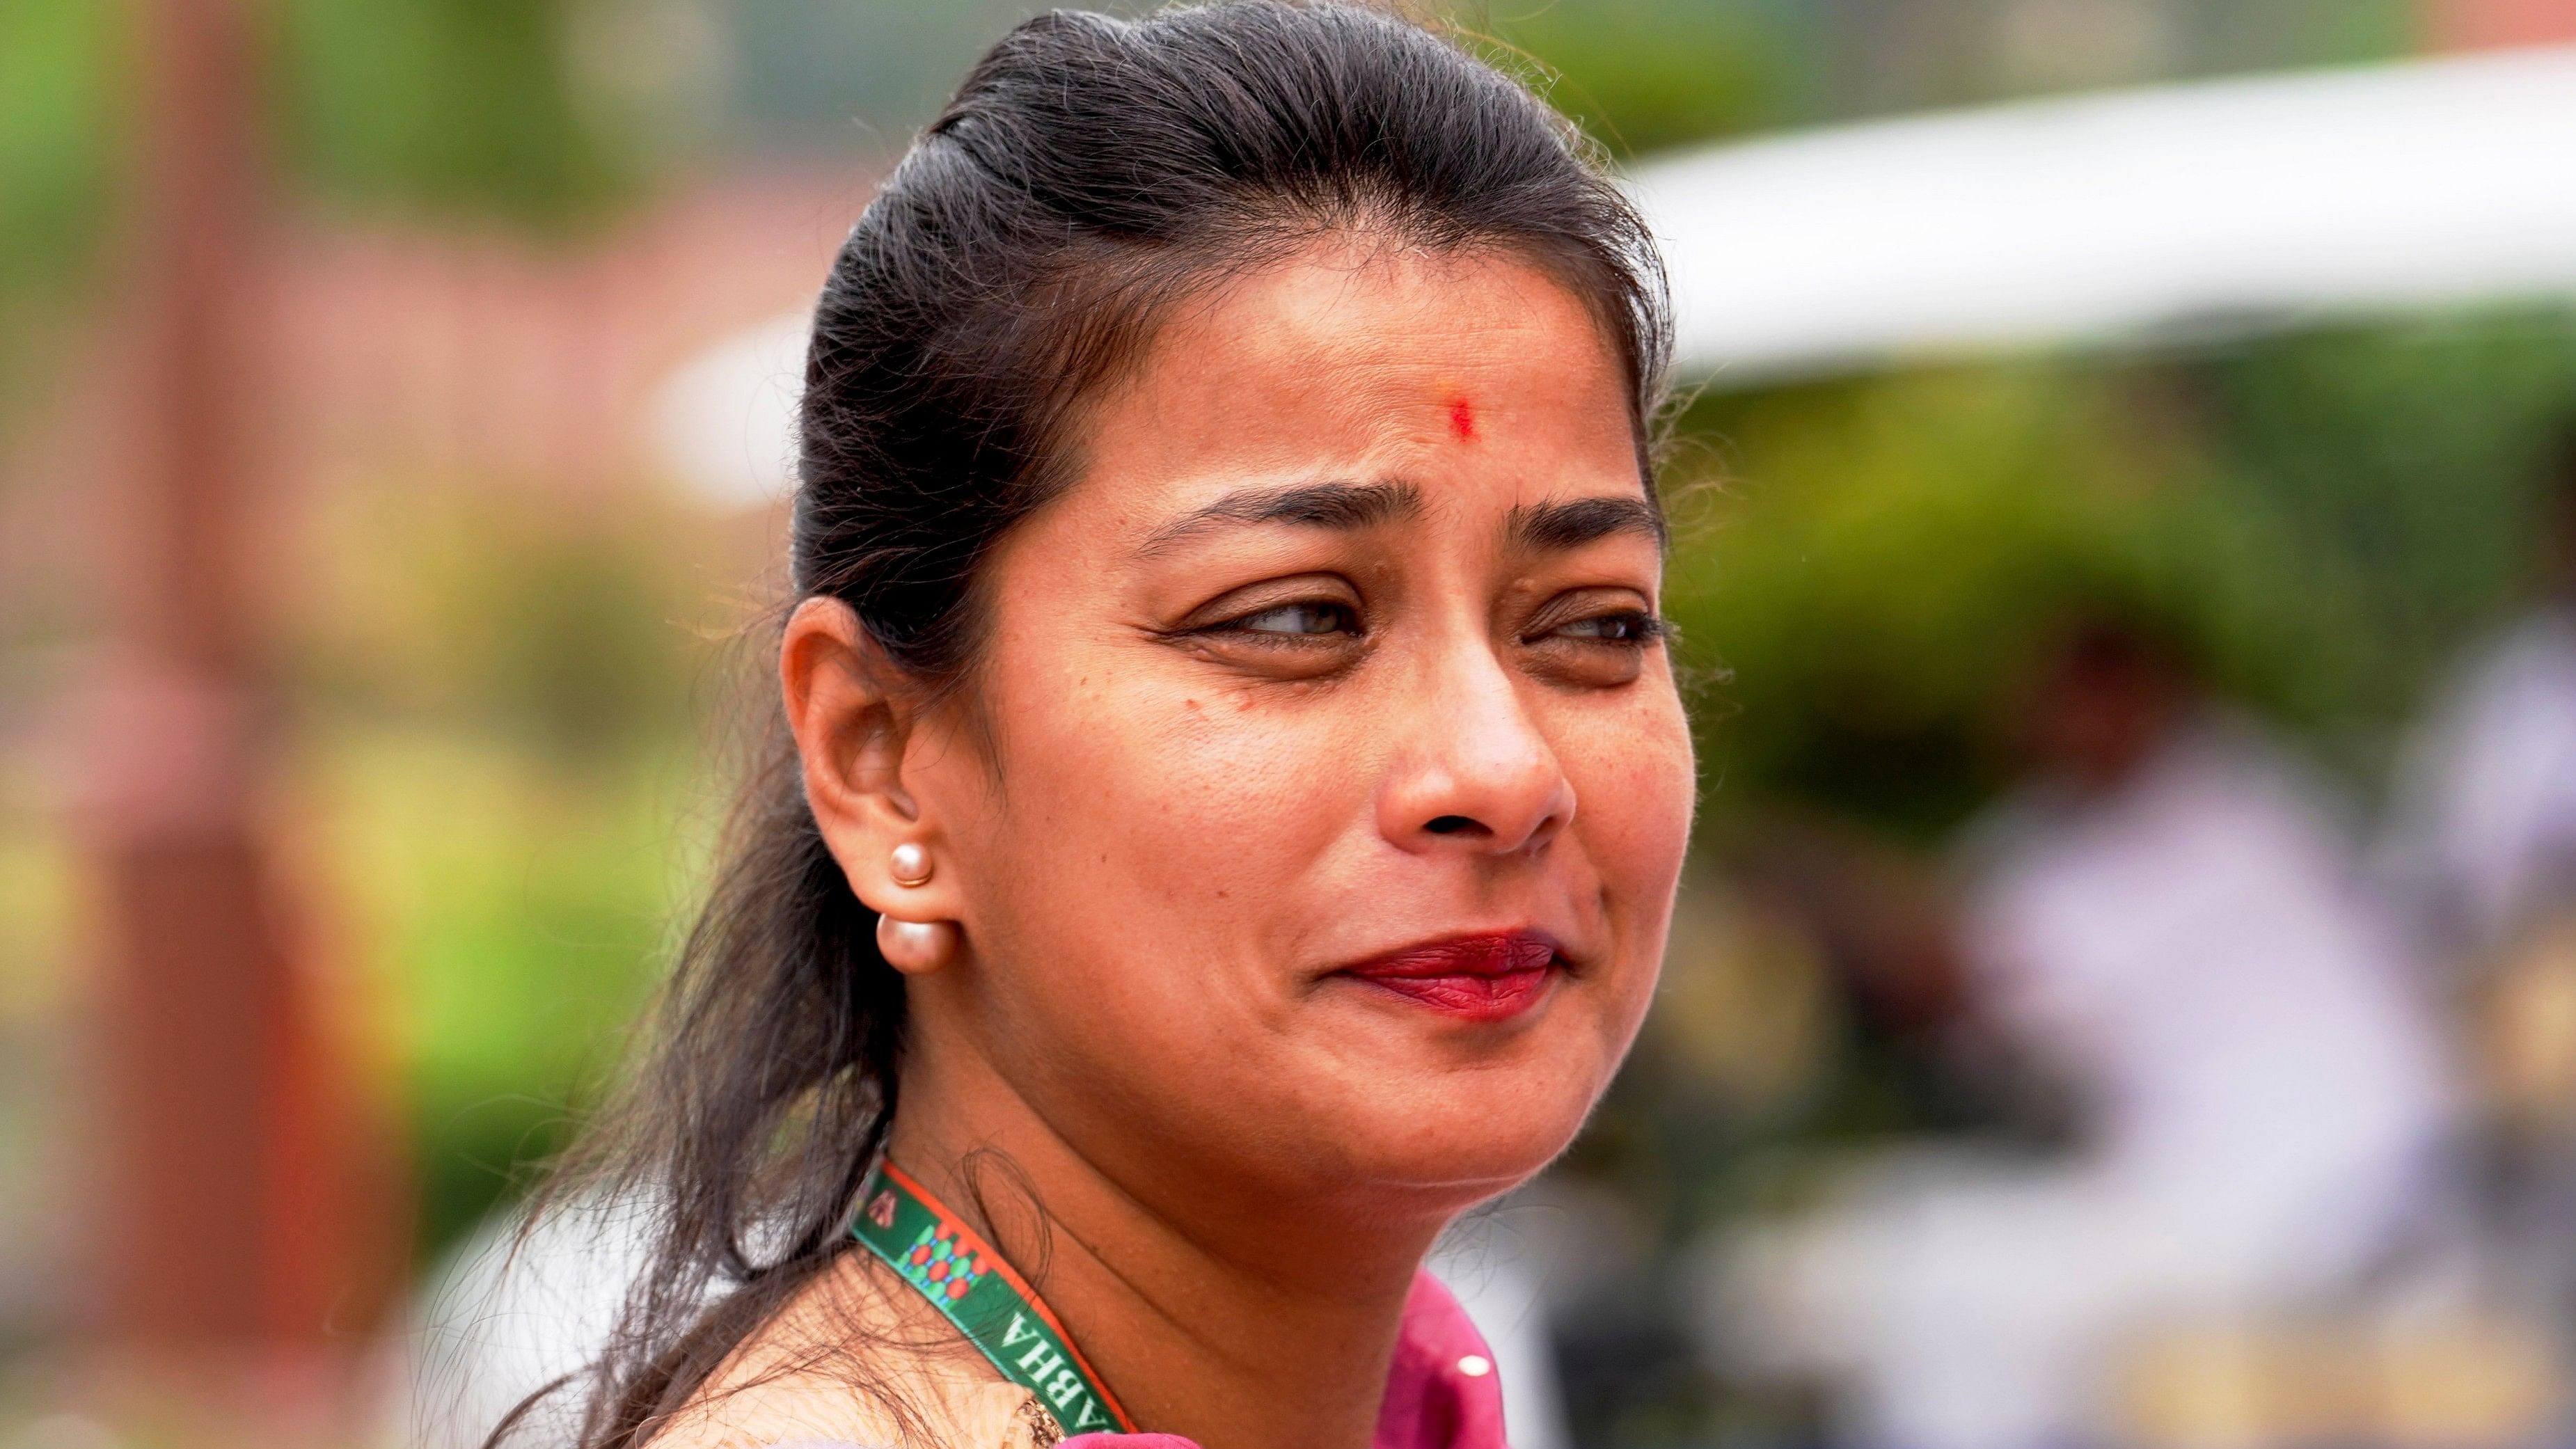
1090 173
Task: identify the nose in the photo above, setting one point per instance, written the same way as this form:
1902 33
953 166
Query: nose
1479 776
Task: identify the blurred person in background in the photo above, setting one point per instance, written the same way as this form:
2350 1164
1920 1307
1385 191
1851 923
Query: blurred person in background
2482 848
2485 839
1229 785
2165 915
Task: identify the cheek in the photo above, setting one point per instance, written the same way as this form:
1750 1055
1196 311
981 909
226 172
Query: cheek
1163 823
1154 860
1214 792
1633 818
1635 785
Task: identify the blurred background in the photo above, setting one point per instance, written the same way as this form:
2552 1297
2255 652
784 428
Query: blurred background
2125 992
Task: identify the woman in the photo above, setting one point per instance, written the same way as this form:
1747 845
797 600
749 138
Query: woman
1235 783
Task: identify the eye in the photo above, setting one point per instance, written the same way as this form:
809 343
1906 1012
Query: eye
1289 629
1601 650
1625 626
1307 619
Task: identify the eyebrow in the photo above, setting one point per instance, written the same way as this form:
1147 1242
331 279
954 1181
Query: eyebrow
1342 506
1555 527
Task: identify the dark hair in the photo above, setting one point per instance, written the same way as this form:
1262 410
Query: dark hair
1089 173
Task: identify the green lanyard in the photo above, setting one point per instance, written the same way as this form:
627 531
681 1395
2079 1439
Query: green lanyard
961 1275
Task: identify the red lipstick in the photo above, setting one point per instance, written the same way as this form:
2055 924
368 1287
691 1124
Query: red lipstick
1479 978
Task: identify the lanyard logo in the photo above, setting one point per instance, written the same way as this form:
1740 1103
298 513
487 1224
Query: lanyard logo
941 1266
960 1275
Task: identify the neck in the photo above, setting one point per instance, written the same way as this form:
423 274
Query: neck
1239 1327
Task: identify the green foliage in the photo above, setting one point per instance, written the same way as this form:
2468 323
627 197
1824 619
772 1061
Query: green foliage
858 73
454 105
498 687
2320 520
572 633
2404 461
516 915
2245 35
1875 574
59 89
1645 74
474 107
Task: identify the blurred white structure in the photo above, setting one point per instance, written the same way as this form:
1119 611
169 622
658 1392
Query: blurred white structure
503 1318
725 422
2098 218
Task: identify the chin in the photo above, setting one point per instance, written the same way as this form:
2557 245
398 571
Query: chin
1456 1139
1479 1110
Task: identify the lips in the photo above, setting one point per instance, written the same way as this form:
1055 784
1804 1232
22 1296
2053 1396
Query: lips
1491 977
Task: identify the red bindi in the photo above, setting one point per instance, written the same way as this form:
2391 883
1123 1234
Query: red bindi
1462 420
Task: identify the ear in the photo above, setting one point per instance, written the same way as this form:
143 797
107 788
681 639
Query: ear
853 720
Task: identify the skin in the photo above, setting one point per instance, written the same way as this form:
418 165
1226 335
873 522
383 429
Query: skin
1209 757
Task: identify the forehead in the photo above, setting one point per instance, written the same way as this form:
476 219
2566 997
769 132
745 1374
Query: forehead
1349 362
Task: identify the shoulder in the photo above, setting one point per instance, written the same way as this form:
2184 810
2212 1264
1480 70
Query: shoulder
853 1364
816 1412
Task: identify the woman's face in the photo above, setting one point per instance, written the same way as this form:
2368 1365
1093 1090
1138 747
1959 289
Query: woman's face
1316 812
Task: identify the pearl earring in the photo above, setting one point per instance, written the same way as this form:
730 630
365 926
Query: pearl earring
914 947
911 865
